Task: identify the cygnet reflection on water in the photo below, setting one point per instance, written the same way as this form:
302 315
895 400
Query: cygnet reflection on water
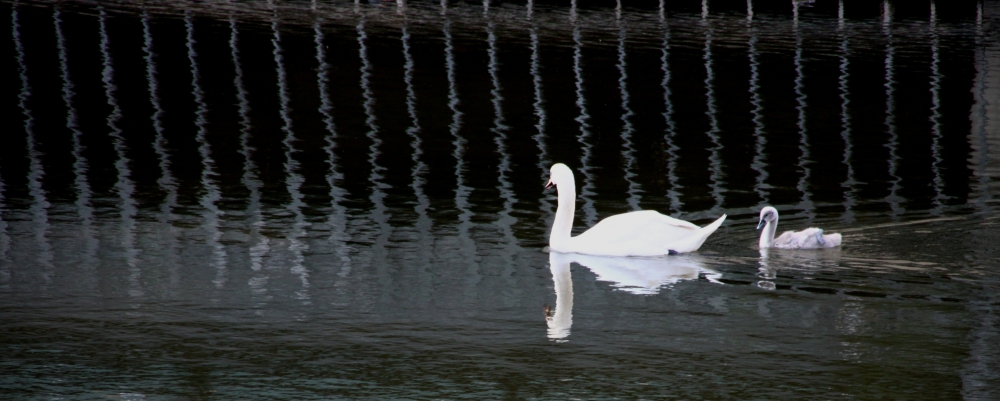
773 259
643 276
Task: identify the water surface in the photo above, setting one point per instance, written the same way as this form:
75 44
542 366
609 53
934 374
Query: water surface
344 200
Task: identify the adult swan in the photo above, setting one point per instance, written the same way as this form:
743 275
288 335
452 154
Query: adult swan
640 233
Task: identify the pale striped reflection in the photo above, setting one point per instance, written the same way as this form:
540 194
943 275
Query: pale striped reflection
759 163
715 159
424 224
673 193
504 219
124 185
935 118
166 181
983 138
293 180
890 112
802 186
850 185
5 273
587 191
84 194
210 211
379 212
544 163
467 247
261 247
628 148
338 212
38 210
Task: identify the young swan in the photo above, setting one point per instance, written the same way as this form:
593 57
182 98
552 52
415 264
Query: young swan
640 233
809 238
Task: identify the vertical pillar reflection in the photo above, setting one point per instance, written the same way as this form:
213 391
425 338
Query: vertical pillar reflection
80 166
759 164
424 222
715 159
123 185
673 193
935 117
536 79
5 273
261 247
468 246
985 118
800 98
628 148
211 212
39 205
587 191
293 180
379 213
890 111
166 182
504 219
849 184
338 216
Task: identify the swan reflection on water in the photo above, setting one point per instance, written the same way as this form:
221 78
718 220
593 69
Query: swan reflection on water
641 276
774 259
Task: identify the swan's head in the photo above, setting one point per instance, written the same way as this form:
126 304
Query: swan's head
767 214
559 175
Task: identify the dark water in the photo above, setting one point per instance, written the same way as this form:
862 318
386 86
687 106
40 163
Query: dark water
240 200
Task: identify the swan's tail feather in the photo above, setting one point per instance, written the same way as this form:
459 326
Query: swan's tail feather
693 242
832 240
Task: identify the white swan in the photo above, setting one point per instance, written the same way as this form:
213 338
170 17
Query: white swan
640 233
809 238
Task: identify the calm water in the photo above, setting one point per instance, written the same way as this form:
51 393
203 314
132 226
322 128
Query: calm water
256 200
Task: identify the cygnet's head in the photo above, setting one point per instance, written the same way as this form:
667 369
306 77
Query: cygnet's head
560 175
767 214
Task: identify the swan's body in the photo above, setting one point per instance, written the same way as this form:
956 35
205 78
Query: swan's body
640 233
810 238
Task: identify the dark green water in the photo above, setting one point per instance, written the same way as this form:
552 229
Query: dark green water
289 200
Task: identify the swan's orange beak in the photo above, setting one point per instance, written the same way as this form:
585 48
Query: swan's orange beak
549 184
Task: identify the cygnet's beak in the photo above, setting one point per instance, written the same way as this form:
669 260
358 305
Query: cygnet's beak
761 224
549 184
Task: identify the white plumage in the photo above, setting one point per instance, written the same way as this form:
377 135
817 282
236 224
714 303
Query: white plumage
810 238
640 233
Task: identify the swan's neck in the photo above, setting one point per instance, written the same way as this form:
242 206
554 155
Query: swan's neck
563 224
767 233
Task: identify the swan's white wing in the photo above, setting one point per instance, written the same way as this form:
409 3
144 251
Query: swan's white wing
645 228
642 233
805 239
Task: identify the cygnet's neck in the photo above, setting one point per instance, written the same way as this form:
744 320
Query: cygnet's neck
767 233
562 227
